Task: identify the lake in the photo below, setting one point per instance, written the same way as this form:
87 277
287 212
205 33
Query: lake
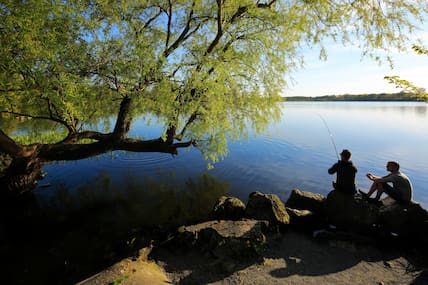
292 153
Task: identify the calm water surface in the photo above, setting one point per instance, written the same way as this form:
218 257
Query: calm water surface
293 153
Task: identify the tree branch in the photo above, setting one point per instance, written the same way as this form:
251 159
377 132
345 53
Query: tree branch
76 137
41 118
219 34
265 5
191 119
168 35
183 34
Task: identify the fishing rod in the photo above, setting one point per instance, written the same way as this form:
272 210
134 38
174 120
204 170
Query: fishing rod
331 136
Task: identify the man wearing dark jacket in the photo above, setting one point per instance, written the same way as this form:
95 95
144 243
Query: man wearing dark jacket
346 171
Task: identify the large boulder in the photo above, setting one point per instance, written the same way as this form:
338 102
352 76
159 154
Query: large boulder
228 208
302 200
225 238
350 212
409 220
267 207
356 214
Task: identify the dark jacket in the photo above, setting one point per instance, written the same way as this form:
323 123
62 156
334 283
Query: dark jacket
345 180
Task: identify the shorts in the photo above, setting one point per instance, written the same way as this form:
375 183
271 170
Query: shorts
392 192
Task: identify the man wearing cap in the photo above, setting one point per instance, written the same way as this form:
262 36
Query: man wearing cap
346 171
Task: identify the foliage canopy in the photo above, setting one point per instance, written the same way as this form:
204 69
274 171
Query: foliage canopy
206 68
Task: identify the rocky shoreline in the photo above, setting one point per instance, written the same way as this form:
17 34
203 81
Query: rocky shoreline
264 240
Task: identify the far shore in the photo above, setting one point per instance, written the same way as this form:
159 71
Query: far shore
375 97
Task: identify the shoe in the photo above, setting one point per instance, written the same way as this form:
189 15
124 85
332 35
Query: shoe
374 201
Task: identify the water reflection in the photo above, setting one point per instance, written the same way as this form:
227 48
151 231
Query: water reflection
137 202
293 153
71 233
405 108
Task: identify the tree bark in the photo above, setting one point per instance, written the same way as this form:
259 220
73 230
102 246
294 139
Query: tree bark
123 122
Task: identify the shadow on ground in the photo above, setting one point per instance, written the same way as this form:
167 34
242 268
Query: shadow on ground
289 255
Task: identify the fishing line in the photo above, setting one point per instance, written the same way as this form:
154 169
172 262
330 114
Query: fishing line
331 135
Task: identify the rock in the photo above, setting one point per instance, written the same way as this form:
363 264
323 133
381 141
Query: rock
225 238
228 208
305 201
294 260
407 220
130 271
350 212
267 207
357 215
304 219
325 217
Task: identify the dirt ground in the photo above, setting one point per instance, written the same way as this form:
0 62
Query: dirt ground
289 258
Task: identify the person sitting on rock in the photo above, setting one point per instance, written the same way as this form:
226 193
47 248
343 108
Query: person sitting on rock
346 171
401 189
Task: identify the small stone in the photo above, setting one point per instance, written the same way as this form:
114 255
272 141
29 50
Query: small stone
294 260
387 264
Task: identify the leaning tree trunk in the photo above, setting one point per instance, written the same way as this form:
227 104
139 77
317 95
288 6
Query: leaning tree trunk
26 167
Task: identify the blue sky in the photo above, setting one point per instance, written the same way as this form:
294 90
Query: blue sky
346 72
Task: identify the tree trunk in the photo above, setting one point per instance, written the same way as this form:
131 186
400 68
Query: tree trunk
25 168
123 122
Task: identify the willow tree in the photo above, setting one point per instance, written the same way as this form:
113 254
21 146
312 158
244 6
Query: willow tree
208 69
408 86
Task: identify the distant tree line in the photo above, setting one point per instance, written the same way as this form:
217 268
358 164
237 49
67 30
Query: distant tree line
400 96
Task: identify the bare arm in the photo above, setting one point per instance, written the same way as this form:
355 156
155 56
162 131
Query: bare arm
374 177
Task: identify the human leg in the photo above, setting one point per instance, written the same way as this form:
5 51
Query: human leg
370 192
373 188
380 187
